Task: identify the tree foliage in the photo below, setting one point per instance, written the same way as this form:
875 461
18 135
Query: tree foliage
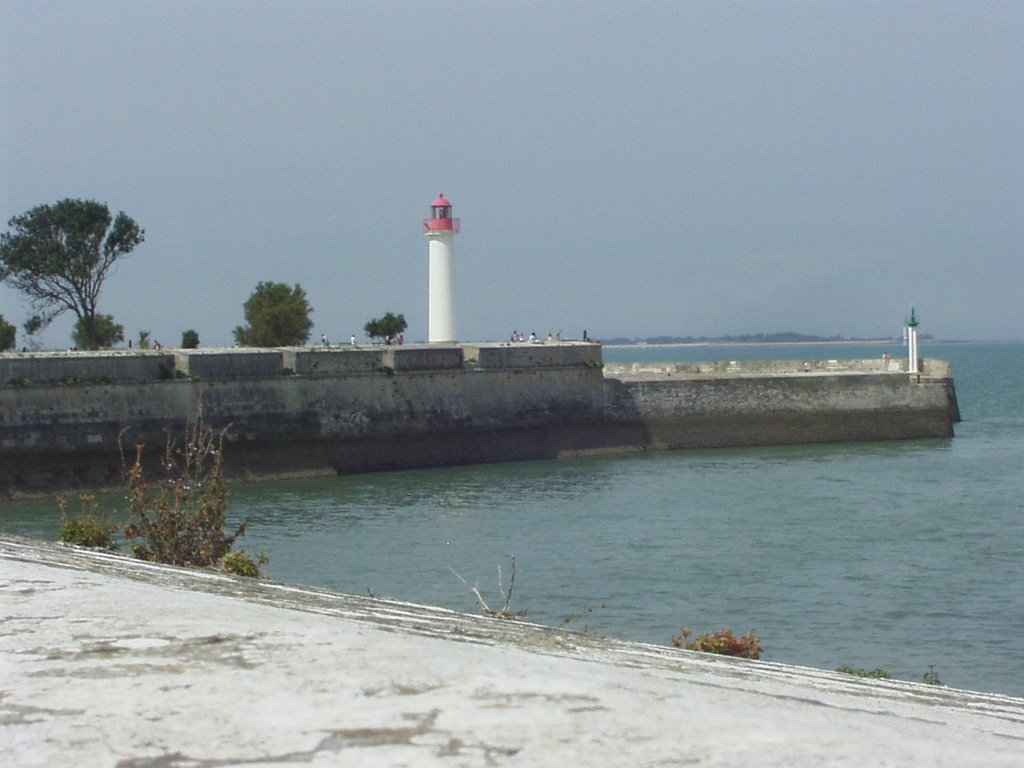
60 255
387 327
106 333
190 339
8 335
275 316
33 325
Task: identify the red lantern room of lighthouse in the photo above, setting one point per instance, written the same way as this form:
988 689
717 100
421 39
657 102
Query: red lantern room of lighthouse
441 217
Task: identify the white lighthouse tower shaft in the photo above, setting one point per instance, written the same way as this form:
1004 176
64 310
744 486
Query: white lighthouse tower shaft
912 353
441 310
440 230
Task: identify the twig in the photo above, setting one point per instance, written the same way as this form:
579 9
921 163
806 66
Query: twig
506 611
475 590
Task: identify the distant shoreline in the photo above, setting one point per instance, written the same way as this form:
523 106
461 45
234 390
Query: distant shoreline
818 343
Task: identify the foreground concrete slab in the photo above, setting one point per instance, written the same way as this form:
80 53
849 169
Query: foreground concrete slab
110 661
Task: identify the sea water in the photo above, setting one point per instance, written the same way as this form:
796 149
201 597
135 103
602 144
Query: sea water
907 555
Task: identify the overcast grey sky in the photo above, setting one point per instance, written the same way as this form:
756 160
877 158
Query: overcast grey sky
632 168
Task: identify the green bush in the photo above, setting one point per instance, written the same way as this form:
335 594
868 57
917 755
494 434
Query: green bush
240 563
875 674
189 339
722 642
89 528
931 677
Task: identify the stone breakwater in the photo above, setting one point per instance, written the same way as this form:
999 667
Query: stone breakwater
303 411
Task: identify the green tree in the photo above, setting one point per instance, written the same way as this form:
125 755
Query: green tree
32 326
60 255
105 333
275 316
8 335
190 339
387 327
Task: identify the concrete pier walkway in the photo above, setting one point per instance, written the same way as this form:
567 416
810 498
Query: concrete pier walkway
108 661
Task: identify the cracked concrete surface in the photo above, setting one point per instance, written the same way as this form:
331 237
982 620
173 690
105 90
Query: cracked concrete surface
108 661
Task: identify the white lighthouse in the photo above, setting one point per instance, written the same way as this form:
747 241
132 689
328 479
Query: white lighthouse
914 361
440 230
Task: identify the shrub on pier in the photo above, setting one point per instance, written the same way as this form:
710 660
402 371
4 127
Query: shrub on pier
181 518
722 642
90 527
874 674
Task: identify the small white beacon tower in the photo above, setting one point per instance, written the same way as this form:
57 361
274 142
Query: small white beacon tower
440 230
914 361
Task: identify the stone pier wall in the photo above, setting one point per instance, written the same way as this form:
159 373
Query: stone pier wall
312 411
